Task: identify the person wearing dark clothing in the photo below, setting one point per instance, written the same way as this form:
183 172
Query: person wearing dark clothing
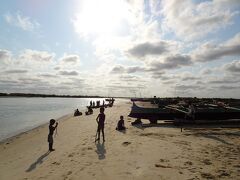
120 125
89 111
77 113
50 135
100 120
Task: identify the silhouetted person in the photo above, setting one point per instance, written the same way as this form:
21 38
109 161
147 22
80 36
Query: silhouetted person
93 103
120 125
100 120
90 103
50 135
77 113
90 111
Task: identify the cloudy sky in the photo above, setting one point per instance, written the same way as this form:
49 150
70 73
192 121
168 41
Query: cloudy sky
121 47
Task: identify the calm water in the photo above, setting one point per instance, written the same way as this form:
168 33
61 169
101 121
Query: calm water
21 114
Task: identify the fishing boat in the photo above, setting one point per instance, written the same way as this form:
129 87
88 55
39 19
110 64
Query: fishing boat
206 112
215 112
154 114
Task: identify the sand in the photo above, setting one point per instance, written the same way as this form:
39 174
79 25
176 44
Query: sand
162 152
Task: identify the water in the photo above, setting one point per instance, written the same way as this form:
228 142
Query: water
20 114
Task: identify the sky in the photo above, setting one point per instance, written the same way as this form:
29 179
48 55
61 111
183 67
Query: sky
136 48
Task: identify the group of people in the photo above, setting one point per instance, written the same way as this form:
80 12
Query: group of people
92 103
100 122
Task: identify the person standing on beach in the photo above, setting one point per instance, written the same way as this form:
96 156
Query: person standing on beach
100 120
50 135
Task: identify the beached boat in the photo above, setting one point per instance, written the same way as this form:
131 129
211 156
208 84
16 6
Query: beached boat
171 112
154 114
142 99
216 113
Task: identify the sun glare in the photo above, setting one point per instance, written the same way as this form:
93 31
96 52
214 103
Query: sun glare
100 17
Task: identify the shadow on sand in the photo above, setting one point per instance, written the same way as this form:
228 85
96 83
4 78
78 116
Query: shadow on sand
38 161
101 151
199 130
122 131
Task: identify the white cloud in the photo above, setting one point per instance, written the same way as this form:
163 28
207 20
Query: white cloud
68 73
209 51
5 56
16 71
153 48
34 55
195 20
170 62
23 22
70 59
233 67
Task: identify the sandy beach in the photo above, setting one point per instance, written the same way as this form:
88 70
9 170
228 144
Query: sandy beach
162 152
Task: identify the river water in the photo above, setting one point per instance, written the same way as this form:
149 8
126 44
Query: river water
21 114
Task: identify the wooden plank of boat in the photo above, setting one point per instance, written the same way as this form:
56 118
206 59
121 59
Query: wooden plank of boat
233 108
170 107
206 121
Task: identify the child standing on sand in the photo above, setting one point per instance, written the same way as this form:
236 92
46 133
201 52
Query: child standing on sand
50 135
100 120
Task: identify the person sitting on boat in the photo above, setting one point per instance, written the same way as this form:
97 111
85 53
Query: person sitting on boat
191 111
77 113
120 125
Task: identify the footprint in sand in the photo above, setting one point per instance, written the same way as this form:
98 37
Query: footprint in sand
207 162
56 163
90 148
71 155
188 163
126 143
162 166
223 173
207 176
164 160
69 172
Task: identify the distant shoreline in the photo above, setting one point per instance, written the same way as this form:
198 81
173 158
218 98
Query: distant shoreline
52 95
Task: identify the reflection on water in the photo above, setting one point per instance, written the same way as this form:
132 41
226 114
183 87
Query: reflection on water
20 114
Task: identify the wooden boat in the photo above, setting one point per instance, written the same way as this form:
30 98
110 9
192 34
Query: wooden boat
110 99
217 113
171 112
142 99
154 114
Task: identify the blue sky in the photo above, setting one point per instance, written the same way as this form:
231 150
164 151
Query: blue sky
121 47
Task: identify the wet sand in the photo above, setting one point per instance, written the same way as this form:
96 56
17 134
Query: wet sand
162 152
